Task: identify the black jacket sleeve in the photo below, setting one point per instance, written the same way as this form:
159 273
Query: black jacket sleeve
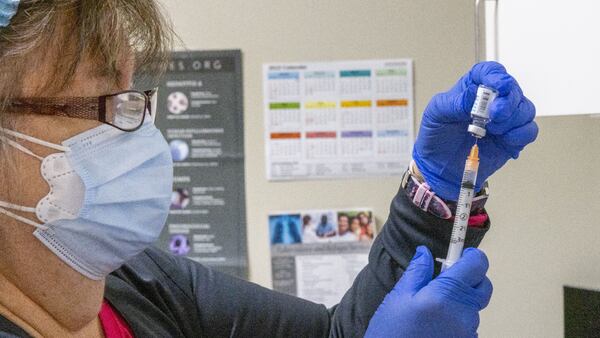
161 295
230 307
406 228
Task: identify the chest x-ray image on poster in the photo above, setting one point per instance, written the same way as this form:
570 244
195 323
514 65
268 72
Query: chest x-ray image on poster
201 116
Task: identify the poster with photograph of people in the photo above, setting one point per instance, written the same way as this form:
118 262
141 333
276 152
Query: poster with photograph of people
316 254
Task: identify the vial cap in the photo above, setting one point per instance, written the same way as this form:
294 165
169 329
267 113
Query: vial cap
476 131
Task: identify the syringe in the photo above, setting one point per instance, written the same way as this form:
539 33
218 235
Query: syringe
463 209
480 113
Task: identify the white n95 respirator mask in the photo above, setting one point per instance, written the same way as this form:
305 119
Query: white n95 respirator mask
109 195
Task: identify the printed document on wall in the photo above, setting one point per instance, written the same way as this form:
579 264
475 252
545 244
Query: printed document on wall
201 117
338 119
317 254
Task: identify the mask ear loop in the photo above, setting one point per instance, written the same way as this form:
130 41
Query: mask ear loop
3 205
21 218
17 207
32 140
19 147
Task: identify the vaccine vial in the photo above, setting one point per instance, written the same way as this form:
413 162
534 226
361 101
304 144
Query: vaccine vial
480 113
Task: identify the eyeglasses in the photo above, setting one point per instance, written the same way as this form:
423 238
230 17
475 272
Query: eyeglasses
124 110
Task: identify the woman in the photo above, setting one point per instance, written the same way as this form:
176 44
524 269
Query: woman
355 227
85 185
344 234
365 223
368 234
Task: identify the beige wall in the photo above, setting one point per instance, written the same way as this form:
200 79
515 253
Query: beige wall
546 229
544 221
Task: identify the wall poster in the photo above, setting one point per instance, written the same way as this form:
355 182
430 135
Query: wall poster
317 254
201 116
338 119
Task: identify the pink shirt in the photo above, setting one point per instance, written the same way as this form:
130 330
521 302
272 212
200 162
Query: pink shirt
113 324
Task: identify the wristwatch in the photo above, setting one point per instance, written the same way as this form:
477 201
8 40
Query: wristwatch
420 193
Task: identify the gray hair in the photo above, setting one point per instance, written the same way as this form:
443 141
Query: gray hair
62 33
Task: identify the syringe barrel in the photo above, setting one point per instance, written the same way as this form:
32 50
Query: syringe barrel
461 223
463 211
480 113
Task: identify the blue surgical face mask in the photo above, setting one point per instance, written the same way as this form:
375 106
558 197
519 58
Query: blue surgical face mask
109 195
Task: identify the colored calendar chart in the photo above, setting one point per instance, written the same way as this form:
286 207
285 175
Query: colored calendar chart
391 80
320 83
355 114
390 142
391 112
286 145
284 84
285 116
321 144
355 82
338 119
320 115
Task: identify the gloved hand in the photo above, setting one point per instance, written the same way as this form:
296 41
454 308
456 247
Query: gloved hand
443 142
447 306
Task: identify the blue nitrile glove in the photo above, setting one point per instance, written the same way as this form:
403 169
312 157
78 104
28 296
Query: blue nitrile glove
443 142
447 306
